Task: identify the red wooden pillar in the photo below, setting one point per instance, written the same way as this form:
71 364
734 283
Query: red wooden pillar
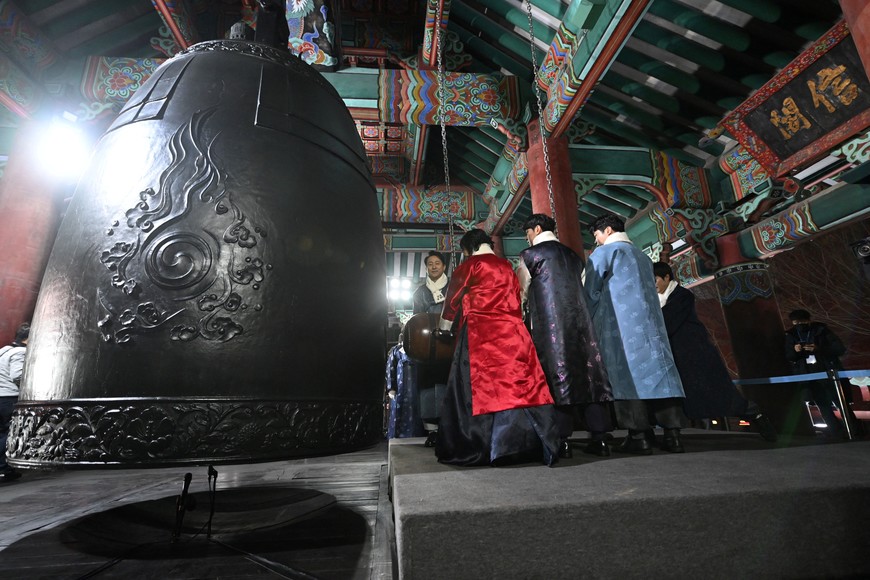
564 198
857 15
757 335
29 218
498 246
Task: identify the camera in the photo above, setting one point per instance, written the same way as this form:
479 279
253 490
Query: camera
862 248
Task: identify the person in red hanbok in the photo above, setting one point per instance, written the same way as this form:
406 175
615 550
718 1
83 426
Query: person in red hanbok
497 408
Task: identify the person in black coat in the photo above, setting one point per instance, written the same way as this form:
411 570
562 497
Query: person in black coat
811 347
429 296
710 392
430 380
550 276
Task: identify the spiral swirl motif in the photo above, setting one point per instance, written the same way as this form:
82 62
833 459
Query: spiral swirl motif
179 261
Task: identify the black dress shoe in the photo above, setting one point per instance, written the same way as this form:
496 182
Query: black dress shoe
671 441
598 448
431 438
565 451
635 446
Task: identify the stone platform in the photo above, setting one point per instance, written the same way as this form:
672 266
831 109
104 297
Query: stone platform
733 506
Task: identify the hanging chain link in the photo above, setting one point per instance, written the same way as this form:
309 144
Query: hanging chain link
442 98
540 109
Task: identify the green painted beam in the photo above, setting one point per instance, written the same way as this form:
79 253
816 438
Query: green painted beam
142 25
617 206
354 85
508 39
640 192
622 162
642 92
630 135
643 232
684 156
612 207
634 113
828 209
712 147
483 140
778 59
761 9
473 42
31 6
513 246
469 158
623 197
413 242
590 212
482 152
723 33
500 138
582 15
466 179
811 30
552 7
520 19
461 164
660 70
688 49
94 11
468 171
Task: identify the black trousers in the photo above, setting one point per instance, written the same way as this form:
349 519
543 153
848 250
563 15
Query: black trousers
635 414
7 406
824 394
596 417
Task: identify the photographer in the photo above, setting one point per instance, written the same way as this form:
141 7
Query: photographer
811 347
11 369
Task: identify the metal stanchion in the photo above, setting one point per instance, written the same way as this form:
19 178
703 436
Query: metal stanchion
845 411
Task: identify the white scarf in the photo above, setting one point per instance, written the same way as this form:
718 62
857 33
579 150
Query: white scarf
663 297
617 237
483 249
545 237
435 287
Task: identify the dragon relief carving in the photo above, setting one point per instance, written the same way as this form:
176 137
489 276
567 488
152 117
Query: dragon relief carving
186 252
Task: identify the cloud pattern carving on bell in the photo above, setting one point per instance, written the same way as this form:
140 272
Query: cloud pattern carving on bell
216 290
206 276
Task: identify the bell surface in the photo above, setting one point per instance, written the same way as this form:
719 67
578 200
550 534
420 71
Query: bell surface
215 292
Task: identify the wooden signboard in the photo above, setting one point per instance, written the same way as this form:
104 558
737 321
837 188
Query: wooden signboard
816 102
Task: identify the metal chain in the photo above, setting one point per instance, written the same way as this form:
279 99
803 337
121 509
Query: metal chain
540 109
442 97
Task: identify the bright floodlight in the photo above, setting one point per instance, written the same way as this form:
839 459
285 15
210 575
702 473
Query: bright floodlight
406 283
63 150
394 283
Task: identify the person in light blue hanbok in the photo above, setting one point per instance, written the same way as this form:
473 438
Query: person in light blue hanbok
625 310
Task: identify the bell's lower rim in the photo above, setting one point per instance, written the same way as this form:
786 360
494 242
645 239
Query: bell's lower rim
165 432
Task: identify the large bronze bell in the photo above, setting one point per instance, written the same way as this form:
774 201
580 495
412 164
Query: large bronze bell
215 293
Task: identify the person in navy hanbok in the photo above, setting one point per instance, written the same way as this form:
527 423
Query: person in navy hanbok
710 392
550 274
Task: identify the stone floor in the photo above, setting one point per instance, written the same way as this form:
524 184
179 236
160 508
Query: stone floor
325 517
